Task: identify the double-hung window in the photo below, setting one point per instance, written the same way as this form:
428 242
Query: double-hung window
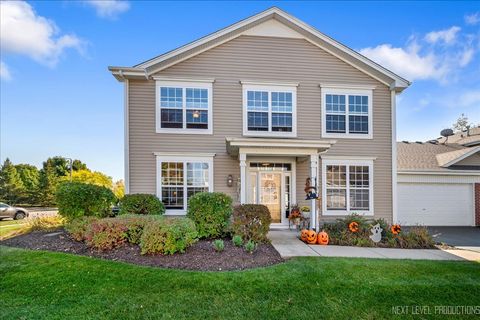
347 113
269 110
347 187
179 178
184 107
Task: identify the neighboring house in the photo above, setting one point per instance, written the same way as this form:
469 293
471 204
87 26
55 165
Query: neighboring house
255 109
439 183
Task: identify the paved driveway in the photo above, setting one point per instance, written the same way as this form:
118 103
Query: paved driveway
461 237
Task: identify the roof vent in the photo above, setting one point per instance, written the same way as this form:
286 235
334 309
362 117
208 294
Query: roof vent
419 142
405 141
433 141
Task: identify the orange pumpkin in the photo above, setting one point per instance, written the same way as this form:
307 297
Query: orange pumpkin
303 235
353 226
311 237
322 238
396 229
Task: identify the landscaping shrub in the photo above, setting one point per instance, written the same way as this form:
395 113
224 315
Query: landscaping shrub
210 211
251 222
250 246
46 223
78 227
167 236
106 234
218 245
76 199
141 203
237 241
416 237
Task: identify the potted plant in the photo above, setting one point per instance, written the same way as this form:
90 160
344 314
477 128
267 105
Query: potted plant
295 215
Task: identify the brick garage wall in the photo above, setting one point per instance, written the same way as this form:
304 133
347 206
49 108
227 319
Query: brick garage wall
477 204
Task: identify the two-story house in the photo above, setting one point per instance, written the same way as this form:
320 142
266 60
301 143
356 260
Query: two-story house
255 109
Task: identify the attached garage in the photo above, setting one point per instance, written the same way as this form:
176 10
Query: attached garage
436 204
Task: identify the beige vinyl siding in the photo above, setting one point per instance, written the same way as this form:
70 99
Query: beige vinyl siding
258 59
473 160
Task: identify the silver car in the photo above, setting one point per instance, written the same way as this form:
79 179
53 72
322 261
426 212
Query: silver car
16 213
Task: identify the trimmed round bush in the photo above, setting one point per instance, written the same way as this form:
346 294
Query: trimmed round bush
210 211
141 203
77 199
168 236
251 222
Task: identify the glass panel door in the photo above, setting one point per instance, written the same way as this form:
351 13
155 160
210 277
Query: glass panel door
270 190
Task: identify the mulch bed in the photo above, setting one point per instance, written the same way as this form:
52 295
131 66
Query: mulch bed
200 256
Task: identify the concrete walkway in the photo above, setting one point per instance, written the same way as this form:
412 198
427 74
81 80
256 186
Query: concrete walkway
288 245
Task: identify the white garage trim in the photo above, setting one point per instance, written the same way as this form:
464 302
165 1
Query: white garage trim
438 178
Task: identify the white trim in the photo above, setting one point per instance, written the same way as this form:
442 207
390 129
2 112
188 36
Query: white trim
126 138
397 80
347 86
347 163
183 80
269 84
437 172
331 157
269 89
465 155
393 102
184 154
346 92
184 85
192 158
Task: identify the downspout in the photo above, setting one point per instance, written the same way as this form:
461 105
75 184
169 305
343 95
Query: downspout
394 155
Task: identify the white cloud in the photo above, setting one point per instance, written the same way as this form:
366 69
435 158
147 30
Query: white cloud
446 36
436 56
26 33
4 72
470 98
109 8
472 19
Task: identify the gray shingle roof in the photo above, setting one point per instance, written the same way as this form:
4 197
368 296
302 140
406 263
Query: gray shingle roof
462 138
427 156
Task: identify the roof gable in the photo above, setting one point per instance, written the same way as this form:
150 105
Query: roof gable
448 159
271 22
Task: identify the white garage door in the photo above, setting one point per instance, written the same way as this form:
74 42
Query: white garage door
435 204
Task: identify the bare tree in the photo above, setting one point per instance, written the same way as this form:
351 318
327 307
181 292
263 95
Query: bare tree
461 124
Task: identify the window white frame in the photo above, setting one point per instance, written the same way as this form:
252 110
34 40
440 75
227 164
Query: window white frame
207 84
270 88
347 92
347 163
184 158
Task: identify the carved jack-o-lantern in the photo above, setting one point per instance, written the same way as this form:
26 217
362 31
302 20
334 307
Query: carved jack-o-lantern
322 238
303 235
396 229
353 226
311 237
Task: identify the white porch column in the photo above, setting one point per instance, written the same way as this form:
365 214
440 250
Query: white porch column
314 182
243 177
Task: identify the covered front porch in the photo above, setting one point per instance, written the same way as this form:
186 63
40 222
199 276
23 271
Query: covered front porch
273 172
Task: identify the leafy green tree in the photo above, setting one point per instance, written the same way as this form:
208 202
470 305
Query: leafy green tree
30 177
78 165
119 189
11 186
48 183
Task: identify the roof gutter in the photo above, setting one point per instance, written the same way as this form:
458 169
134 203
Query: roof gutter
122 73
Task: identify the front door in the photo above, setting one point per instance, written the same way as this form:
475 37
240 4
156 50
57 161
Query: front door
270 188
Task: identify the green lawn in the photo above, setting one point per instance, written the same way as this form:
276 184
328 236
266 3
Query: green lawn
45 285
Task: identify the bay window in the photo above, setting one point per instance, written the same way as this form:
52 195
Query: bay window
347 187
184 107
179 178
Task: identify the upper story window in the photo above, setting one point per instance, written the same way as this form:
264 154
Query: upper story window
269 110
184 107
347 113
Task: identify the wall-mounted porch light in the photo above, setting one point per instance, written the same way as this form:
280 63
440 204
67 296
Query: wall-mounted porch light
229 180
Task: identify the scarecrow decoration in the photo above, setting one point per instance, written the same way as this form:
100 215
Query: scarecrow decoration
310 190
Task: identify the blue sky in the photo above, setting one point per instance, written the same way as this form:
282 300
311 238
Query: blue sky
57 97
